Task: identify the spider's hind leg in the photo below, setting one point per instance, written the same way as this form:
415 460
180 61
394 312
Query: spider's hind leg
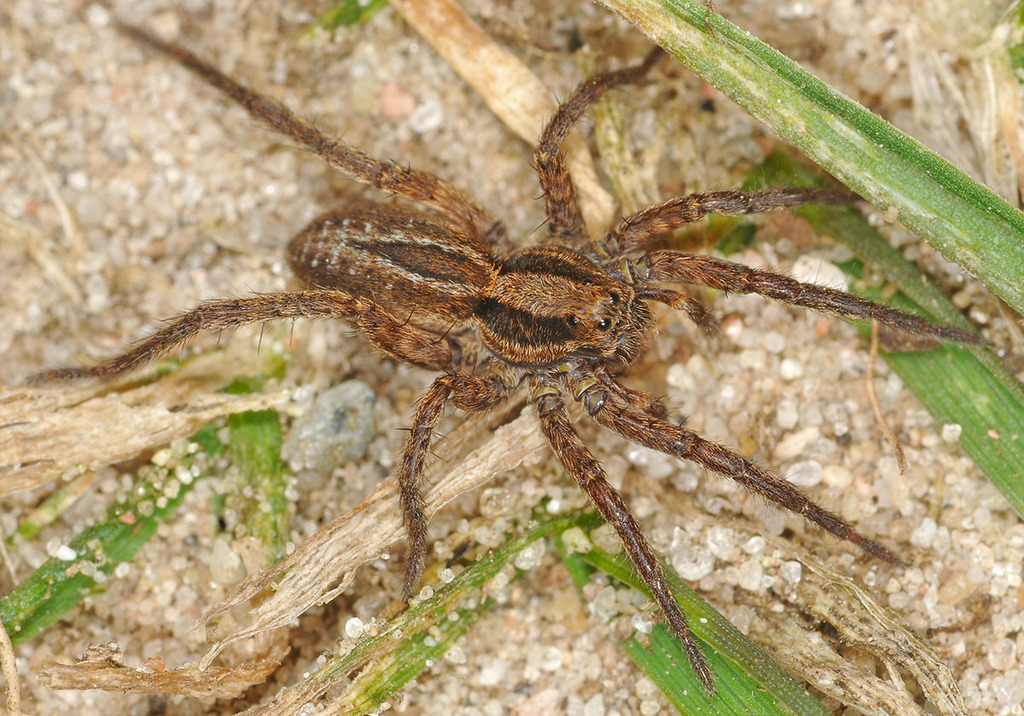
635 424
588 473
398 339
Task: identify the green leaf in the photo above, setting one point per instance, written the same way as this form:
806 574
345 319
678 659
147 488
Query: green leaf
255 446
348 12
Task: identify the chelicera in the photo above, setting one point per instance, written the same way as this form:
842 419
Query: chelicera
434 287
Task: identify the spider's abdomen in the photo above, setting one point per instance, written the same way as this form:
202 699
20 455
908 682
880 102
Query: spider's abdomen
414 266
550 303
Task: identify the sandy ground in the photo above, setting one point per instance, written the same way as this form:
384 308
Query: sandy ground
130 192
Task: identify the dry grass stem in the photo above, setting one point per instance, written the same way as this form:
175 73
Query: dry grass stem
864 623
307 576
869 382
9 666
61 431
103 667
510 89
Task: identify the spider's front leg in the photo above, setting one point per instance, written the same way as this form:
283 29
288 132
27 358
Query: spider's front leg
588 473
397 338
635 232
470 393
731 277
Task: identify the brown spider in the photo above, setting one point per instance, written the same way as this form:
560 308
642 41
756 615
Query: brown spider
564 317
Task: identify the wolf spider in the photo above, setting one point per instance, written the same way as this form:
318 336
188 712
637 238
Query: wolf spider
565 317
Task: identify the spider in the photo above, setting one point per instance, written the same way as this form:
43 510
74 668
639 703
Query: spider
436 287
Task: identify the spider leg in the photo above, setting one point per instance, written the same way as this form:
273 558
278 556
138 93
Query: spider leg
678 267
633 232
588 473
470 393
565 222
402 341
636 425
697 311
647 403
386 176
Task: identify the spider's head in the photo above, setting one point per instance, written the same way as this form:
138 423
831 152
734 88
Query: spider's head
550 303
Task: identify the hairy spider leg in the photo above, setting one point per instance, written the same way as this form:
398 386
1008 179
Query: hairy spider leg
635 232
471 394
590 476
692 307
640 427
565 222
627 412
384 175
701 270
648 403
394 337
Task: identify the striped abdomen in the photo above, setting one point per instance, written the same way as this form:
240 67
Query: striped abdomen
414 266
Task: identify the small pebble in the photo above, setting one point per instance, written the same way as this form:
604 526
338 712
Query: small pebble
427 116
796 442
791 571
1008 688
1002 654
337 429
791 369
924 536
354 627
951 432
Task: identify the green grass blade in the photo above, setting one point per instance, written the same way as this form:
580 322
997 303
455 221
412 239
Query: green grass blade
957 387
964 220
408 644
50 509
393 670
747 678
737 693
348 12
255 446
59 584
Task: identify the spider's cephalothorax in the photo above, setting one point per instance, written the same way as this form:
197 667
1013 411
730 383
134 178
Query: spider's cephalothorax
565 317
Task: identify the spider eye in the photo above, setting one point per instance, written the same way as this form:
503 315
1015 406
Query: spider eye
614 295
605 324
572 320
